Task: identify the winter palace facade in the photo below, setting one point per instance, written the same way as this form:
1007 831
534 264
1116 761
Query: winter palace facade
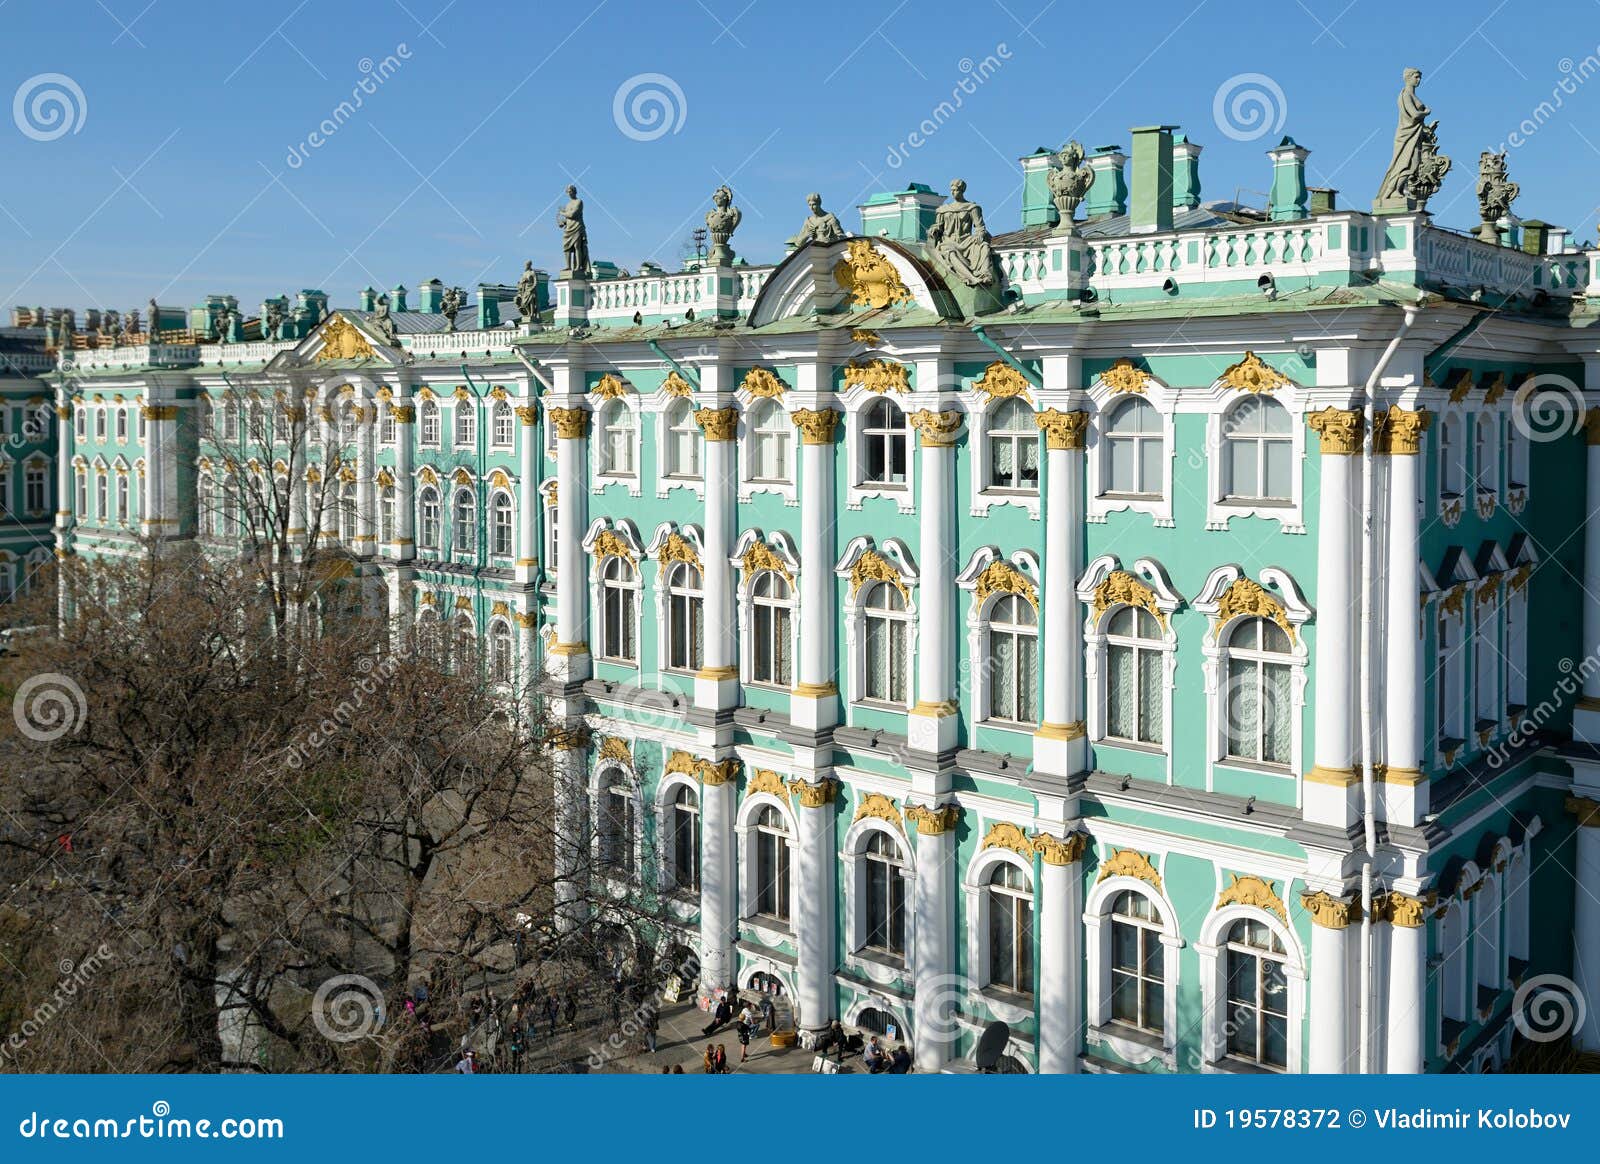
1170 633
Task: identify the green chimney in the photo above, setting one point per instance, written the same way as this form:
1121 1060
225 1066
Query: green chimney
1150 208
1289 194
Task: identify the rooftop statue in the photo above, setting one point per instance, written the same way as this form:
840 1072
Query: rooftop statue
722 220
449 304
960 241
574 236
1417 169
1496 192
384 322
155 320
527 297
272 322
821 227
1069 182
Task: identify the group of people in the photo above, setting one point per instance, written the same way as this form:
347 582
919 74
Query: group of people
753 1018
875 1057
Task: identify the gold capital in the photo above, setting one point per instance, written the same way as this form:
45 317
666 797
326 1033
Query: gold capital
1340 430
812 794
527 413
939 429
1586 810
1060 850
1398 433
816 426
719 424
933 822
1402 910
1327 911
572 424
1063 430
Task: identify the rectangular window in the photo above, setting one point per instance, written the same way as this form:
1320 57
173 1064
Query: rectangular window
34 499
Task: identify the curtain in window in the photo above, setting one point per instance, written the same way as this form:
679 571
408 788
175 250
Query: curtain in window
1003 703
1243 709
1150 717
1277 734
1120 693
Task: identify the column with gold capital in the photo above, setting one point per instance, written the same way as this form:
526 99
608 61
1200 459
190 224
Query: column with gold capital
404 412
719 894
570 656
570 746
1330 982
932 723
815 699
1586 922
529 503
814 901
716 684
1403 795
1060 951
1407 1010
1330 785
938 991
1059 746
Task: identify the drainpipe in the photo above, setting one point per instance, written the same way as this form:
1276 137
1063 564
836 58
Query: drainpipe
1368 688
480 553
1028 373
694 381
537 498
1432 363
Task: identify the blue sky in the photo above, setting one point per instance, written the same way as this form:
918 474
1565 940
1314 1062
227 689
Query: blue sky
175 178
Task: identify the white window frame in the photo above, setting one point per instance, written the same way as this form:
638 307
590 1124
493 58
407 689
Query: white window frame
670 879
1451 451
771 929
599 451
1097 651
502 501
429 426
1097 960
857 923
670 475
1002 1002
1220 510
985 496
783 430
1212 950
503 434
854 405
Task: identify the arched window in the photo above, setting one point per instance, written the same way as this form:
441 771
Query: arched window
347 513
464 521
1450 475
616 837
82 491
230 422
1258 450
428 513
205 504
428 638
1014 662
428 411
500 543
466 418
500 651
683 827
770 619
1486 451
884 644
1014 448
102 504
1010 928
616 440
386 511
1257 700
504 424
683 441
685 612
1138 973
1134 667
462 644
769 442
616 610
1133 449
552 530
122 497
349 419
772 864
386 424
883 444
885 894
1258 995
122 424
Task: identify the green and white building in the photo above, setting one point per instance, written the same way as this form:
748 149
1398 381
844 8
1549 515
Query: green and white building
1181 647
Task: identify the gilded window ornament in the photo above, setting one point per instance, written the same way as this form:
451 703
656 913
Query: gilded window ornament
683 764
1001 381
676 385
719 424
1125 376
610 387
572 424
763 382
813 795
461 393
1494 388
816 426
933 822
1063 430
1060 850
1397 432
463 602
871 279
1120 588
1250 599
1454 600
385 478
677 548
768 781
1001 577
1519 579
1254 375
861 335
609 544
1340 430
612 748
499 480
461 477
427 476
877 376
425 393
879 807
1129 863
761 556
1005 835
341 341
1327 911
498 392
1252 891
403 414
872 566
939 429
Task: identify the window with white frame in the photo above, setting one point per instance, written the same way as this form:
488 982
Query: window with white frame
505 424
1258 995
884 639
1013 660
33 489
1487 664
205 504
1448 681
616 440
122 498
500 651
883 894
1013 438
1516 456
1257 701
683 832
102 506
347 513
1131 461
683 441
464 521
883 444
122 424
685 618
1009 895
466 423
769 434
386 512
139 427
552 531
771 610
1258 452
1137 963
428 517
1515 612
1451 476
1486 452
773 871
428 414
5 490
617 832
1453 964
618 633
80 421
83 495
501 541
1135 669
386 425
100 423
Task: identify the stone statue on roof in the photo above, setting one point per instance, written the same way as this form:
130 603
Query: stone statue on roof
1417 169
1069 182
527 296
1496 192
384 322
959 240
821 227
155 319
449 304
722 220
574 236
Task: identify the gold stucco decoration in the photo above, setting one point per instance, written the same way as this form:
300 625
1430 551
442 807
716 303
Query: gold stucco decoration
763 382
1060 850
1129 863
939 429
1248 598
872 566
1327 911
1063 430
610 387
871 279
861 335
719 424
1001 381
676 385
933 822
1252 374
816 426
1120 588
768 781
609 544
1340 430
527 413
1252 891
341 341
877 376
572 424
879 807
612 748
1005 835
1001 577
1125 376
678 548
813 794
761 556
1397 432
1494 388
1459 382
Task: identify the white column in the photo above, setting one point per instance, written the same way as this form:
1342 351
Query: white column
814 912
571 839
405 482
1586 713
931 726
529 502
570 655
1403 795
1586 923
149 488
1059 746
815 699
299 439
65 450
1407 1009
1330 983
366 480
1060 953
716 684
935 1027
719 890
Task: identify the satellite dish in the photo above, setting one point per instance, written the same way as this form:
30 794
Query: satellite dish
991 1045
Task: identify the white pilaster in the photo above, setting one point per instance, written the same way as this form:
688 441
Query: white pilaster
931 726
815 700
1403 795
569 657
1060 954
719 892
935 1027
528 499
405 484
1407 1007
814 917
1060 747
1330 983
716 684
571 840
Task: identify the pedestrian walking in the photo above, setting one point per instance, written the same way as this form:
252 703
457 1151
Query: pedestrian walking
769 1015
572 1012
652 1028
553 1010
467 1064
744 1035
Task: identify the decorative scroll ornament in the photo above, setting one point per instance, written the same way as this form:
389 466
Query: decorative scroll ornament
1060 850
1519 578
714 775
1252 375
403 414
683 764
426 475
1001 381
1459 382
1005 835
1340 430
1403 910
678 548
1327 911
939 429
612 748
877 376
872 566
1125 376
341 341
499 480
1454 600
760 557
871 279
1494 388
1129 863
719 424
813 795
461 477
1120 588
861 335
610 387
1063 430
934 822
1248 598
609 544
1252 891
763 382
768 781
676 385
572 424
1398 433
816 426
1001 577
879 807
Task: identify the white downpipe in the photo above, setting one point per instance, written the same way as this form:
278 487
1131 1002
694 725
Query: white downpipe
1366 690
